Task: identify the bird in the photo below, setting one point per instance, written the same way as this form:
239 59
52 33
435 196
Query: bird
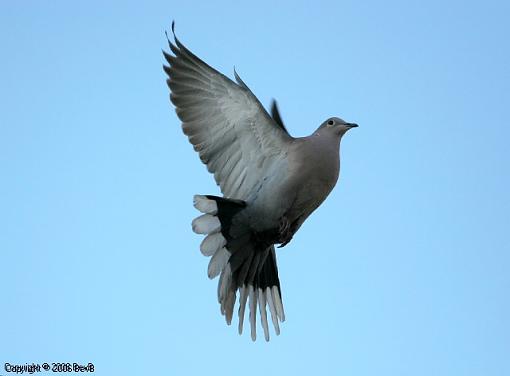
270 181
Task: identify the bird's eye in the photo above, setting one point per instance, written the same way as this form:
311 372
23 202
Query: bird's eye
331 122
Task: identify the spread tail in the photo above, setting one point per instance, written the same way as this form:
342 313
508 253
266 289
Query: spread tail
242 262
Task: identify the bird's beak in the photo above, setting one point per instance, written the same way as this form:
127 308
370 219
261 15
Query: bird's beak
351 125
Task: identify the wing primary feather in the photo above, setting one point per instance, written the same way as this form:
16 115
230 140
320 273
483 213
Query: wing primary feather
178 62
167 38
187 76
185 53
166 68
239 80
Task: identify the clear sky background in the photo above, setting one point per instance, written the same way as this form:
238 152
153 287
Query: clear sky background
405 269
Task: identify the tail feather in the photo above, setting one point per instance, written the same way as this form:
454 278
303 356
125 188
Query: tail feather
242 262
243 297
224 283
218 262
263 313
206 224
204 205
212 243
272 310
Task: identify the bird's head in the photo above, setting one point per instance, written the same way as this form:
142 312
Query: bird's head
337 126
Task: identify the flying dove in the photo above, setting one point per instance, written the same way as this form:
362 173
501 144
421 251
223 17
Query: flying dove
271 182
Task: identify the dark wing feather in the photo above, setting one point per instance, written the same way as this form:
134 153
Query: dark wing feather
275 114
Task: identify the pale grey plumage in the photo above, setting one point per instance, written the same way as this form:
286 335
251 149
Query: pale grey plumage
271 182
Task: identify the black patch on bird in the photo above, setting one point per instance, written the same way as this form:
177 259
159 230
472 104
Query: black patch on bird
227 208
275 114
255 267
253 259
268 274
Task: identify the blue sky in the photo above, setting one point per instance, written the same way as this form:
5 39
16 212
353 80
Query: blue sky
403 271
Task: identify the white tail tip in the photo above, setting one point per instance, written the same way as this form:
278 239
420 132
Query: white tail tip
206 224
205 205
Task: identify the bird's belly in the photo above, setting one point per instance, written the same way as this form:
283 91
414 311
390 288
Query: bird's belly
308 198
294 197
267 207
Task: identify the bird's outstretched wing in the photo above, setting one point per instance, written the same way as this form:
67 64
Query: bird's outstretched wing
234 135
